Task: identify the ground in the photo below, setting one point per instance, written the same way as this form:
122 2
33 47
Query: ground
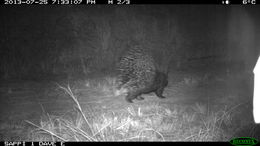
201 105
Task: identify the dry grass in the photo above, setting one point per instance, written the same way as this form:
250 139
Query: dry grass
146 122
143 121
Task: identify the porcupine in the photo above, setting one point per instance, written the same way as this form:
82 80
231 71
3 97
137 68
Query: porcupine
139 75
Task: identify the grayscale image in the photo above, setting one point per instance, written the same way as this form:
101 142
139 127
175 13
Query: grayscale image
128 73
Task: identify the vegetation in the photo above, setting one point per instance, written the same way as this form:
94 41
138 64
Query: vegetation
152 121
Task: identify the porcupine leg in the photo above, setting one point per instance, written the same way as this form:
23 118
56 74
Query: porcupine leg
130 97
159 93
133 95
139 97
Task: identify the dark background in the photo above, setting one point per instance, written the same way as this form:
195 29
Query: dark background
50 42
